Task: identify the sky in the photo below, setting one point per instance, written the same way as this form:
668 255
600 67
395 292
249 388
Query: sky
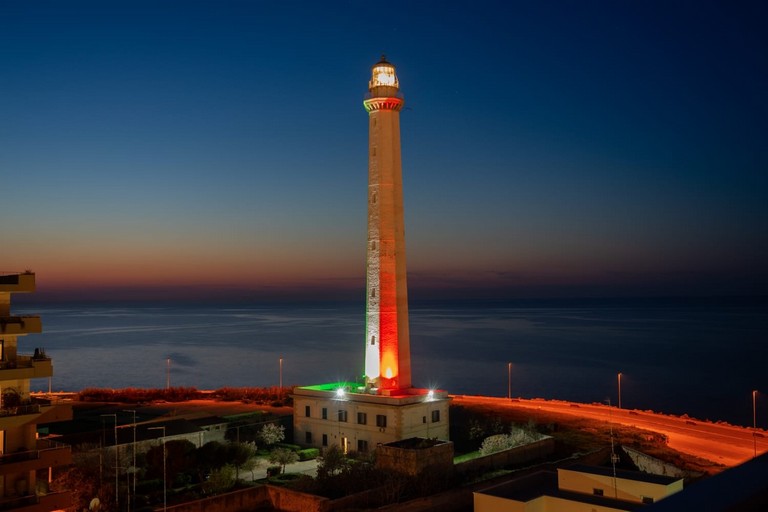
219 149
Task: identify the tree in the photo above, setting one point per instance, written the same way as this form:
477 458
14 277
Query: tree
82 477
283 457
221 479
179 457
238 455
272 433
212 455
331 462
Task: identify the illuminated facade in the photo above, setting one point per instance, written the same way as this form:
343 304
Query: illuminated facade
577 488
384 407
25 460
387 345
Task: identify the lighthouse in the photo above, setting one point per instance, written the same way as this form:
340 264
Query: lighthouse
387 345
382 407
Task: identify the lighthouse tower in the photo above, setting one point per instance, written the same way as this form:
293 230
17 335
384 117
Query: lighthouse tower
384 407
387 346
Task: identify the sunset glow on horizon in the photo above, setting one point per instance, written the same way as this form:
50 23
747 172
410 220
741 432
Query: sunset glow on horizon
562 150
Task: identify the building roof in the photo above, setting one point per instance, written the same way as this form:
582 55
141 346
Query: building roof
544 483
638 476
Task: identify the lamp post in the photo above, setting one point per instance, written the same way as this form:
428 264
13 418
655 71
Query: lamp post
165 483
619 380
168 373
754 420
117 481
134 453
509 381
281 378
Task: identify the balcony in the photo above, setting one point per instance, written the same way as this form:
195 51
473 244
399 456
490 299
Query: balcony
26 367
34 411
19 325
47 453
37 503
17 282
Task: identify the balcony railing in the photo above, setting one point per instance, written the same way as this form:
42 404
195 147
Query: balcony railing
43 446
20 324
55 499
22 361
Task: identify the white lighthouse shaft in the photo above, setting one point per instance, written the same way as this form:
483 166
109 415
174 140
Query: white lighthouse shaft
387 355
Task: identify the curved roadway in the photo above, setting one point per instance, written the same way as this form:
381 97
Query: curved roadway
721 443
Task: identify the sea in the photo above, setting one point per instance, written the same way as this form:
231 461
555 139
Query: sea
697 356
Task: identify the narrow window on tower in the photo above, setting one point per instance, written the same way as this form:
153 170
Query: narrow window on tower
308 437
307 411
435 416
325 439
373 293
373 151
325 413
373 340
373 198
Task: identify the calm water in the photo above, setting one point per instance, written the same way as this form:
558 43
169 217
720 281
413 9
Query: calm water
701 357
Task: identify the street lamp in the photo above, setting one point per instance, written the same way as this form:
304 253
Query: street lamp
619 380
134 453
165 483
168 373
509 381
754 420
281 378
117 482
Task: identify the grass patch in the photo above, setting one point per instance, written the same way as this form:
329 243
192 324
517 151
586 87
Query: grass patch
466 456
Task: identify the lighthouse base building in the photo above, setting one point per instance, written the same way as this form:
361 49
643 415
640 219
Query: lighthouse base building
344 414
384 406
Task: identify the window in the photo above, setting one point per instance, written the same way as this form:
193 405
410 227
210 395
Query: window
362 418
646 499
381 420
373 340
435 416
325 413
307 411
308 437
423 419
373 293
342 415
597 492
325 439
362 446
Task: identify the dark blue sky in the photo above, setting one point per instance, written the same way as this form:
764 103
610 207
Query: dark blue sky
549 148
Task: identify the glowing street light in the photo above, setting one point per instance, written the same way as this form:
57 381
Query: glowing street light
754 420
619 380
165 456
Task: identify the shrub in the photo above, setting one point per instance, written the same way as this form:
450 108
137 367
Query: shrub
308 454
273 471
288 446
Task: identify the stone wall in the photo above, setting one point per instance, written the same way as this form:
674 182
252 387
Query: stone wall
652 465
236 501
414 460
524 454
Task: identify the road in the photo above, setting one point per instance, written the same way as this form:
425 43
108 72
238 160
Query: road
725 444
